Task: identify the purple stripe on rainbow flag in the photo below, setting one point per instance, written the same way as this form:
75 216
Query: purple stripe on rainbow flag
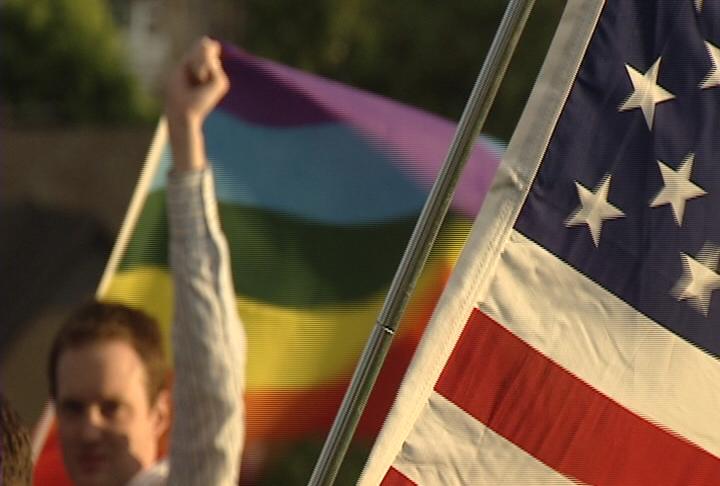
264 98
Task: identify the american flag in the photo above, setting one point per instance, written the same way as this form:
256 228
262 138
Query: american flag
578 339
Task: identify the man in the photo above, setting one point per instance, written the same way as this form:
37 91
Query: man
107 383
15 454
107 377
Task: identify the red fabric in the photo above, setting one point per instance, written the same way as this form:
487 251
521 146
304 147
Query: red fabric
561 420
49 469
396 478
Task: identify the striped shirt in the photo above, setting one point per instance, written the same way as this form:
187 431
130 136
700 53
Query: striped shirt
208 343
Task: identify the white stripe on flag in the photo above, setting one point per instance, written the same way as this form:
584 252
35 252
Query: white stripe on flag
447 440
620 352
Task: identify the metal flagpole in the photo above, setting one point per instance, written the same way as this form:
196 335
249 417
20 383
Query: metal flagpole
421 242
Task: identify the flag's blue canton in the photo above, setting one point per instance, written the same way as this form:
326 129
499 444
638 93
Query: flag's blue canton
641 244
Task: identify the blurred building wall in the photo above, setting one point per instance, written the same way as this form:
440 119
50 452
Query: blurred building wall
63 195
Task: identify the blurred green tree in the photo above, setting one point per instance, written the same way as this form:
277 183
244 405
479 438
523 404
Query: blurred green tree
422 52
62 61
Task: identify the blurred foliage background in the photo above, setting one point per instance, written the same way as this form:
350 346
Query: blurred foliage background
63 60
67 60
420 52
80 91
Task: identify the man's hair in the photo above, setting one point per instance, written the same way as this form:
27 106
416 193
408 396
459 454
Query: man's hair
15 454
98 322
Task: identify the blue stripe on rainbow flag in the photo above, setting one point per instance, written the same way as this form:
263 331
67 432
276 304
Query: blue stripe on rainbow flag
323 173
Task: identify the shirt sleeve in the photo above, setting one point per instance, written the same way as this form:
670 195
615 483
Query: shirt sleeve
208 339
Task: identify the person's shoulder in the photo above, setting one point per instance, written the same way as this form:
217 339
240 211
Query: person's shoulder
154 476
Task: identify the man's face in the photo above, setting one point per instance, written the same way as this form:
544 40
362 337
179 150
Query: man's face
108 429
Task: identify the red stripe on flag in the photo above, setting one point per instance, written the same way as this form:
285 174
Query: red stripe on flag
396 478
561 420
50 469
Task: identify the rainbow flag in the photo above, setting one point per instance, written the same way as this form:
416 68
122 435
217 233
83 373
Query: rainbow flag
319 188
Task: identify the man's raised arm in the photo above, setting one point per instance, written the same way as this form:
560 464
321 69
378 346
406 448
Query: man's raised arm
208 338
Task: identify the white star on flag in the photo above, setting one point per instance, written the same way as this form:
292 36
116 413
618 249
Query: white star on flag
594 209
647 93
699 278
678 187
713 77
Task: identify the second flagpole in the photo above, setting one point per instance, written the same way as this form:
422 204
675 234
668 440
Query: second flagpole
421 241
